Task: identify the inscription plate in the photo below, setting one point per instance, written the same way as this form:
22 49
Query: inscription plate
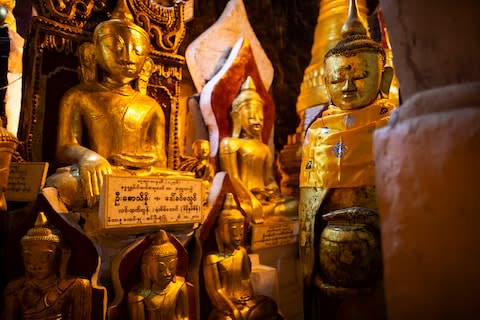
274 234
25 180
146 201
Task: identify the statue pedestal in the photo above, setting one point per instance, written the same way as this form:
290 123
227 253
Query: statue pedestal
330 302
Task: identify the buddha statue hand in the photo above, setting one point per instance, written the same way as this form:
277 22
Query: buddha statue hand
92 169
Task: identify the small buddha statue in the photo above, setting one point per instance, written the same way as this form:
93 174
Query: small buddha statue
162 295
199 163
337 169
249 161
227 272
106 125
46 292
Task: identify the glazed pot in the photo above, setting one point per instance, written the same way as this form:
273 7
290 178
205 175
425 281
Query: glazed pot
350 253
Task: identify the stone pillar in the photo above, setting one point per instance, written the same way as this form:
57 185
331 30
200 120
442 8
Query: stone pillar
428 164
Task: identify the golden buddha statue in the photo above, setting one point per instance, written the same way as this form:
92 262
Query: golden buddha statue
199 162
162 295
45 292
106 126
337 166
227 272
249 161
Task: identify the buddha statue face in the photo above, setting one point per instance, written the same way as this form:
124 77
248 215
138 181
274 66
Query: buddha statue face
39 247
163 270
231 231
160 261
251 118
247 111
39 259
121 51
353 80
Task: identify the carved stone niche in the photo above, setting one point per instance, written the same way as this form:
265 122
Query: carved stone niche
84 259
127 273
53 66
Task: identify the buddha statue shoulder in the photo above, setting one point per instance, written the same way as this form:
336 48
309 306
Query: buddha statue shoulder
107 125
227 272
162 295
46 292
249 161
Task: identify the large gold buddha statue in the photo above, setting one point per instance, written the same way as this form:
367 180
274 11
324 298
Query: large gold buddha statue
46 292
107 126
249 161
337 166
162 295
227 272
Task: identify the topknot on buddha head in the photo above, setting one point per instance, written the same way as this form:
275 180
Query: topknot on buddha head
121 18
40 233
248 92
355 37
161 247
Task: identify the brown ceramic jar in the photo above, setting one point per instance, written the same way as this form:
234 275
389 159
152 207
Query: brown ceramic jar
350 254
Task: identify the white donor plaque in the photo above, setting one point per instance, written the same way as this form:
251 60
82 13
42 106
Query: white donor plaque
25 180
146 201
273 234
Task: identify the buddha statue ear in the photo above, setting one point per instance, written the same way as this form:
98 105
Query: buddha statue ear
88 65
386 81
145 74
65 254
219 239
237 126
330 102
147 283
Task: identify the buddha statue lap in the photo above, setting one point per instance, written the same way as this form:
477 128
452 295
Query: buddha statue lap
46 292
227 272
162 295
337 169
124 129
249 161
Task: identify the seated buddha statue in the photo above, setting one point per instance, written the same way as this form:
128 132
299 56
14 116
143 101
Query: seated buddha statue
227 272
162 295
199 162
106 125
337 168
46 292
249 161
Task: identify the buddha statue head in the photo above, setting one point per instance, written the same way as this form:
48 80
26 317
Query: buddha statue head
230 226
355 71
39 250
247 111
159 262
121 46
